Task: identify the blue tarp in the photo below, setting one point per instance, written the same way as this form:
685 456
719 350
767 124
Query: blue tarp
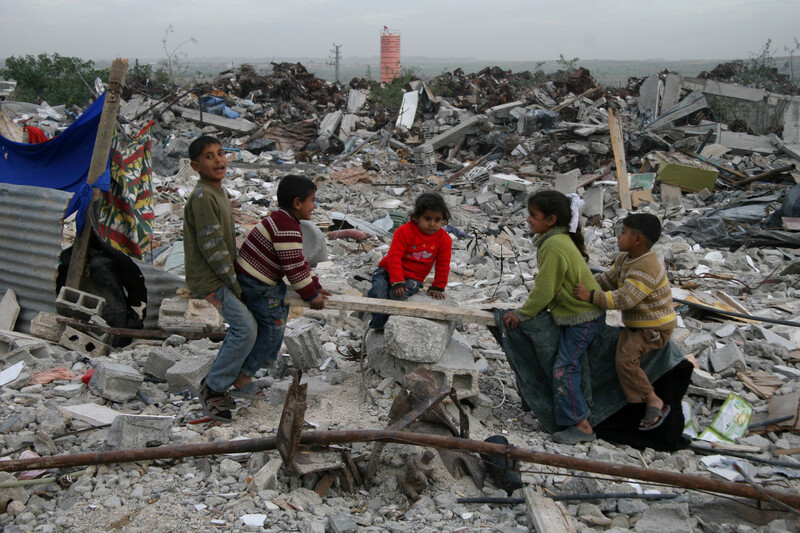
60 163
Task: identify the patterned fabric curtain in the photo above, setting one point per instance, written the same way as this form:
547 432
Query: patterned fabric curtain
126 214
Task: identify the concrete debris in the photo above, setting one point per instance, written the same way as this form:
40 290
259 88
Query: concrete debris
370 159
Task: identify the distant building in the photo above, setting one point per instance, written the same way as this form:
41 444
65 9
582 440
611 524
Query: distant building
6 88
390 55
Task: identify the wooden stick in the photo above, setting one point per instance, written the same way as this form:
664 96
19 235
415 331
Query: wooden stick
431 311
618 146
102 145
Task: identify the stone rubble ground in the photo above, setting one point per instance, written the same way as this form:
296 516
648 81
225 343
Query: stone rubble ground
250 492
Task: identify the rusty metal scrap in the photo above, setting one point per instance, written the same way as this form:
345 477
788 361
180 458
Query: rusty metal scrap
687 481
291 423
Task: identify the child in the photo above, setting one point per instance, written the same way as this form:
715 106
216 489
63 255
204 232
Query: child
273 249
561 256
416 246
209 245
637 284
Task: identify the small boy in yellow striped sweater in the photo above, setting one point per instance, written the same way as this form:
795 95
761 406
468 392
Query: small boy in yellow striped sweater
637 284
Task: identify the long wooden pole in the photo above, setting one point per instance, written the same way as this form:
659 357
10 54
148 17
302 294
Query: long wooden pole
102 145
617 144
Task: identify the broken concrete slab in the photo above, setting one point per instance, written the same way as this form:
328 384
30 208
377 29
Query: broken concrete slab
567 183
138 431
744 143
160 360
267 476
46 326
671 195
417 340
453 134
729 356
91 413
302 344
356 99
510 181
188 315
238 125
774 338
593 202
187 373
115 382
330 124
9 310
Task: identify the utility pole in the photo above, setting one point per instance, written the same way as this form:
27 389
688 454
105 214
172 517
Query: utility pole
335 59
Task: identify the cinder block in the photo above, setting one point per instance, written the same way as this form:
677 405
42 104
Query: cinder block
37 348
115 382
457 368
137 431
78 304
80 342
16 355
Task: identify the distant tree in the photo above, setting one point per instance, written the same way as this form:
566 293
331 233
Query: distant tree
174 62
56 79
567 64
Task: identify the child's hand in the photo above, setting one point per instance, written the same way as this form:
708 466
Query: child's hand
318 302
581 292
436 295
325 293
511 320
399 291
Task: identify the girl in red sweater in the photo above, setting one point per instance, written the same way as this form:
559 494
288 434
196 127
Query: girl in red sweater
416 247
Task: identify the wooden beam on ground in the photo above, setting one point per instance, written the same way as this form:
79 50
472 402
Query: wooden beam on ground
618 145
430 311
102 146
237 125
569 102
547 515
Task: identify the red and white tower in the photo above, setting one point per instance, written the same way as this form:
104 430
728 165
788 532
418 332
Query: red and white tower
390 54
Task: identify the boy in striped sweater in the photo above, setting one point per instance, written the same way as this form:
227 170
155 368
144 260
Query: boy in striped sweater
274 249
637 284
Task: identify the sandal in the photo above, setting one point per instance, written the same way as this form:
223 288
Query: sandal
654 417
251 391
216 405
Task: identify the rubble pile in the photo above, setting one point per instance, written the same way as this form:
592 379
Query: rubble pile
729 202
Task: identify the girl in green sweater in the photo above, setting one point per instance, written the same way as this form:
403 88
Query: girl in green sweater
561 254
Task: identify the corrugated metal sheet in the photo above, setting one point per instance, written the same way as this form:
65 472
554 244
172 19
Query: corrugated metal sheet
160 285
30 243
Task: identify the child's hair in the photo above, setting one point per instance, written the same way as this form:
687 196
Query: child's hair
645 224
199 144
430 201
293 186
556 203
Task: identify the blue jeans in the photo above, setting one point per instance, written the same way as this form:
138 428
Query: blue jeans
270 312
238 341
569 402
382 288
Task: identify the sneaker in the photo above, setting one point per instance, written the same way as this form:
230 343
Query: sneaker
573 435
216 405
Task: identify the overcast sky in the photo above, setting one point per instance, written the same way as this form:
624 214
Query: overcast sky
511 30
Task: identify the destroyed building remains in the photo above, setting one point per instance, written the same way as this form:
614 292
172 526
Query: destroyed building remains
115 365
